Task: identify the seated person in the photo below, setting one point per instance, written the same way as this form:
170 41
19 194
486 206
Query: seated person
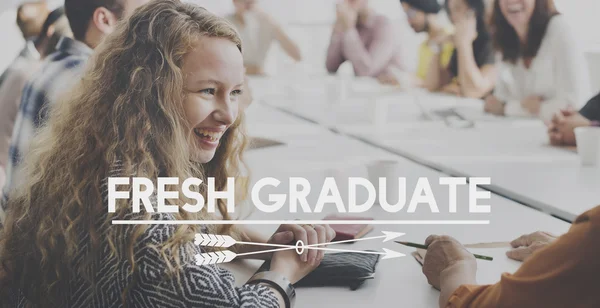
472 70
543 68
436 51
563 274
19 72
58 247
368 40
561 129
258 30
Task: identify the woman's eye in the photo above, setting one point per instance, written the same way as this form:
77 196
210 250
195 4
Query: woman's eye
209 91
236 92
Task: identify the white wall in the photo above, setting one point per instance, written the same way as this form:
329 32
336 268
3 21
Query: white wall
309 22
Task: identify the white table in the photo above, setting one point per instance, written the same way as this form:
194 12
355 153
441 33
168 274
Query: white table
315 154
514 152
516 155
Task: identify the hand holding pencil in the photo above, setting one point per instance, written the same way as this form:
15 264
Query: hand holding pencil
447 257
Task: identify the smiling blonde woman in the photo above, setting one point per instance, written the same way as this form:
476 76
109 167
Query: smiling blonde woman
160 98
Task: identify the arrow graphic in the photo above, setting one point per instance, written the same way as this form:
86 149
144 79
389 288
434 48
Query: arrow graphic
212 240
226 241
216 257
225 256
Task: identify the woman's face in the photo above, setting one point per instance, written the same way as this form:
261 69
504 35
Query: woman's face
417 19
243 6
457 9
360 6
517 12
214 78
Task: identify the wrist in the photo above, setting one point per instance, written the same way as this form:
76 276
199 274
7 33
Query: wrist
277 282
463 44
456 275
459 273
595 123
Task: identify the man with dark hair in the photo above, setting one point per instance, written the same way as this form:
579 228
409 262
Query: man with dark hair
91 21
562 128
19 72
436 51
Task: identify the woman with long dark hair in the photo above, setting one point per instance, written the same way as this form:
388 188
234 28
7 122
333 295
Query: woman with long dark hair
471 71
543 68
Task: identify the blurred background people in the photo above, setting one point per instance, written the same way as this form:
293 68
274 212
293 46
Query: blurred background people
258 31
17 74
472 69
371 42
90 22
561 129
543 68
437 49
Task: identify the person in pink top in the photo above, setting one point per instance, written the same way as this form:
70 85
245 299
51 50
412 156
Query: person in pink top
368 40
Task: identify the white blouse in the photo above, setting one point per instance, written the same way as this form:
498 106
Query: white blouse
558 74
257 36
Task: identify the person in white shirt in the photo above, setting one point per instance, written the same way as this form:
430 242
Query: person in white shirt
258 30
543 68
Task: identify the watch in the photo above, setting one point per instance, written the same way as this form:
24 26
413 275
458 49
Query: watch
279 282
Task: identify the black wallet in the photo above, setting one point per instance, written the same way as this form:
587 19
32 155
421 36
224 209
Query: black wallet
346 269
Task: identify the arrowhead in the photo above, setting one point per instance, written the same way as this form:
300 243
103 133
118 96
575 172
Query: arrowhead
391 235
390 254
229 255
229 241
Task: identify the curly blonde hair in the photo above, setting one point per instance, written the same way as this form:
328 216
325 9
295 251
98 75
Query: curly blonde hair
127 108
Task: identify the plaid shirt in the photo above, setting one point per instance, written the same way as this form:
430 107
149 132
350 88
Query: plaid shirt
58 72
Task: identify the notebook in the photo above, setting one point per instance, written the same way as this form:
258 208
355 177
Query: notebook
349 232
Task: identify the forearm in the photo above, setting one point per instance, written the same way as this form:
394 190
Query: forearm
368 61
334 51
288 45
433 78
472 82
250 235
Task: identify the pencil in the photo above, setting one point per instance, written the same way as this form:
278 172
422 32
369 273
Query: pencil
414 245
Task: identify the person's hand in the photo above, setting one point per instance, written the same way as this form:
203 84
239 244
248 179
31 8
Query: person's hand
452 88
289 264
561 130
466 30
443 254
346 16
525 245
388 79
493 105
532 104
309 235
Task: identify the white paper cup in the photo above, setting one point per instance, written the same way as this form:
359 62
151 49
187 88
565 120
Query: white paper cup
588 145
390 170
